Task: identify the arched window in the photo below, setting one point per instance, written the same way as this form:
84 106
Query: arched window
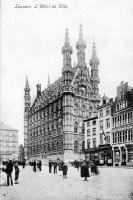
83 147
83 110
76 127
83 128
48 147
76 147
88 143
57 146
76 109
53 146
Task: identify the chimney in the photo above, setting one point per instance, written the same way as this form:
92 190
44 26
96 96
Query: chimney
38 89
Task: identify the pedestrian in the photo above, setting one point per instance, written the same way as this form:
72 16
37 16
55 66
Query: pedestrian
8 170
64 169
77 165
84 171
34 166
37 164
55 167
50 166
23 164
16 173
40 165
96 171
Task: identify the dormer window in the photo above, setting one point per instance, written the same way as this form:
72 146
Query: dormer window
117 107
104 101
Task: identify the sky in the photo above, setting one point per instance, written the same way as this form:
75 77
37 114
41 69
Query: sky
32 38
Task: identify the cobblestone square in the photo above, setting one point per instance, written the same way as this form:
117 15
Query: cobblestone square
110 184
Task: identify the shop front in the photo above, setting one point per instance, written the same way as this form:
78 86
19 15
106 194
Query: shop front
91 155
117 158
130 153
102 155
105 155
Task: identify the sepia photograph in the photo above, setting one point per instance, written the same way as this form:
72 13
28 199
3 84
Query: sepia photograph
66 100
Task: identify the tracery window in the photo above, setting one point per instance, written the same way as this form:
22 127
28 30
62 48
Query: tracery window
76 109
88 132
83 128
76 146
83 146
94 142
88 143
83 110
76 127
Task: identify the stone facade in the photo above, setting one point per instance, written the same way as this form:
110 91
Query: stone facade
8 142
98 134
54 123
114 132
122 131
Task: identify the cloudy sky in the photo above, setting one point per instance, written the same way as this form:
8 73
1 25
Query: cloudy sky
32 38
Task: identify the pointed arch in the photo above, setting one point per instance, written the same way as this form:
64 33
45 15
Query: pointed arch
76 127
83 128
83 146
76 147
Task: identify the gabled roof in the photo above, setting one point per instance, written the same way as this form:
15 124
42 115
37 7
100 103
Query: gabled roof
52 90
6 127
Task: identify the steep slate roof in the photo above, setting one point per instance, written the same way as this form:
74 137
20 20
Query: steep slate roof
52 90
6 127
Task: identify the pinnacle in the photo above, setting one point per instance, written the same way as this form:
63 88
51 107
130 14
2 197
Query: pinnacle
94 55
66 46
66 37
81 40
48 80
27 83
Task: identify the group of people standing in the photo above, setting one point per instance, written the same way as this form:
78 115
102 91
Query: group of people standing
60 166
85 167
8 167
36 164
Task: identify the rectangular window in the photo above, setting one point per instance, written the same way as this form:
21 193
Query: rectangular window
113 123
94 142
108 137
120 137
94 131
107 123
101 138
120 120
101 113
113 138
88 124
125 135
94 122
88 132
88 143
107 111
101 125
129 135
131 117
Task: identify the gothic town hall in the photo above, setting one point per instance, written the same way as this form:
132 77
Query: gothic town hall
54 123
